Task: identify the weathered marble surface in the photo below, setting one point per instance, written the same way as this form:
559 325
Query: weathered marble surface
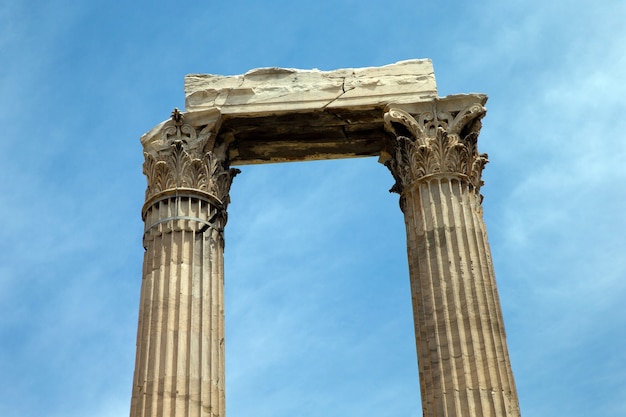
283 115
275 115
281 90
463 360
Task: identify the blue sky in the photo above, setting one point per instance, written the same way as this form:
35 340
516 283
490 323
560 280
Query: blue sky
318 308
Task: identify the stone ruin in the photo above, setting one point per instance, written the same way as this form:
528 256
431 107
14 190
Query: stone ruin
269 115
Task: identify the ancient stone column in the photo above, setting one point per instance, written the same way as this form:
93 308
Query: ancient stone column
179 369
463 361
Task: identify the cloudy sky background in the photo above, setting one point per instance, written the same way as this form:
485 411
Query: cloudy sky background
318 312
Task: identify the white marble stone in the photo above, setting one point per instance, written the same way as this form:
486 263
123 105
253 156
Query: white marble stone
274 115
282 90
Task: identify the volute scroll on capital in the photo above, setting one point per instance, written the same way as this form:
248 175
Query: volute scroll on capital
434 143
183 153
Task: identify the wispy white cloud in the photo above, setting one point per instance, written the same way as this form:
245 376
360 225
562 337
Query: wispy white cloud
558 256
318 304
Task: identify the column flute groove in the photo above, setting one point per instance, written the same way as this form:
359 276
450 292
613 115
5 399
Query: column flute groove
483 322
459 353
419 303
179 368
444 324
463 361
473 348
435 366
499 335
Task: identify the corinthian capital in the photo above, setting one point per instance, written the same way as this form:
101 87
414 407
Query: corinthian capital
434 143
182 154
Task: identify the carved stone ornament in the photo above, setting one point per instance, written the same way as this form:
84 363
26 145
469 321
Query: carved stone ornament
180 155
434 144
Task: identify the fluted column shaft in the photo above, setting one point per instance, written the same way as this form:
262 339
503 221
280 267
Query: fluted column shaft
179 368
180 350
463 361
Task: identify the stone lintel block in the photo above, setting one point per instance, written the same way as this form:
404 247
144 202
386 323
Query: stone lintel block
281 90
271 115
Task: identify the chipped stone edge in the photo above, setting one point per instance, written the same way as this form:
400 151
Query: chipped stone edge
271 90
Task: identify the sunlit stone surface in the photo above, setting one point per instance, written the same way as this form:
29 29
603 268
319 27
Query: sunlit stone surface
270 115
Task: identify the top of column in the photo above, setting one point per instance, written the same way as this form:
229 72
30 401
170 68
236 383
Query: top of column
273 115
279 90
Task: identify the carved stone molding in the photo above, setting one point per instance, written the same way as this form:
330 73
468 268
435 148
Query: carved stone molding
185 156
429 143
434 143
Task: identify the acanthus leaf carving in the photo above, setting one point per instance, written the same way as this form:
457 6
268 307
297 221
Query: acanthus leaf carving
179 155
433 143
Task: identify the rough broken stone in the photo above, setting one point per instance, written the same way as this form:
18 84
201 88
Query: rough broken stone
280 90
